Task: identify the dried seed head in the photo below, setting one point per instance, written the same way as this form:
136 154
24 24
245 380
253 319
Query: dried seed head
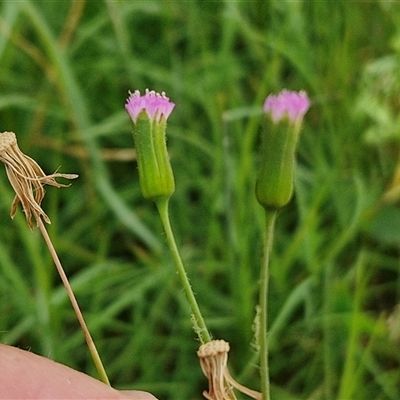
213 348
26 178
7 139
213 361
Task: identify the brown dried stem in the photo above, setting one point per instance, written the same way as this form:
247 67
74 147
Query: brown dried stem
75 306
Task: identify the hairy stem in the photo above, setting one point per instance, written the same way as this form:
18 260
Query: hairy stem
200 326
270 218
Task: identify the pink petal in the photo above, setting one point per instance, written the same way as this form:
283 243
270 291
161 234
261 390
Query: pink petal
155 104
292 104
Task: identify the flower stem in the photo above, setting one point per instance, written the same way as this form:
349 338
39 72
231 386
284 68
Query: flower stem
270 218
92 348
200 326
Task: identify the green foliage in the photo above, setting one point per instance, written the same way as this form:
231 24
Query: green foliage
66 68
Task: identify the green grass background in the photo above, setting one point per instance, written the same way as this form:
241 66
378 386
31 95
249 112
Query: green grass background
65 71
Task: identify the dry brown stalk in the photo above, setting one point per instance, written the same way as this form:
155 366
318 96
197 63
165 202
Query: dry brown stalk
27 179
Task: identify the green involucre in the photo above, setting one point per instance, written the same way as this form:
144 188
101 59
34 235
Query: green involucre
274 185
155 172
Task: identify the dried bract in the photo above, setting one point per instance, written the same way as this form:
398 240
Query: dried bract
213 361
27 179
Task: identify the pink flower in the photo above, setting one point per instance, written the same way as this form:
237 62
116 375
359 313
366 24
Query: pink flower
292 104
155 104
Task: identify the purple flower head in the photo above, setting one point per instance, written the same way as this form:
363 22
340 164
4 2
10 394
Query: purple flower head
155 104
292 104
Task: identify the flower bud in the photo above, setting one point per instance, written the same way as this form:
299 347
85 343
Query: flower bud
284 115
149 114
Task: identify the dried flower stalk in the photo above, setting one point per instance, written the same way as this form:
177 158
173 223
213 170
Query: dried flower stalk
27 179
213 361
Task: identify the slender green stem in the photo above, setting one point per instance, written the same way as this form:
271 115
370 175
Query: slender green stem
92 348
270 218
200 326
